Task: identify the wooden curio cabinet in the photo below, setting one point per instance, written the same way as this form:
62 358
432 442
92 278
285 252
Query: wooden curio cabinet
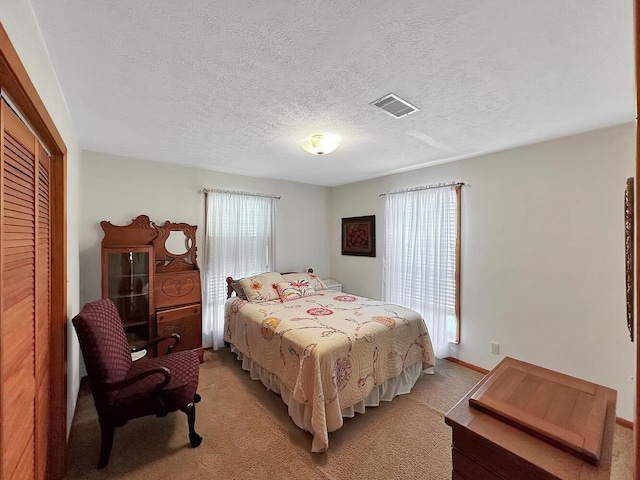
128 274
127 279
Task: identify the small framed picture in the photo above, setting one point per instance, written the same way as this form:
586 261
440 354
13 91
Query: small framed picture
359 236
629 223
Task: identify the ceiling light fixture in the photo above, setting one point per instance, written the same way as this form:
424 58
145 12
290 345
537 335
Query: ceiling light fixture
319 144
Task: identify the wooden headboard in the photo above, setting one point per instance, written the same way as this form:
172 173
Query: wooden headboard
230 281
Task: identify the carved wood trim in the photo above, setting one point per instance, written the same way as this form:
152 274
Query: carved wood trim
167 261
138 232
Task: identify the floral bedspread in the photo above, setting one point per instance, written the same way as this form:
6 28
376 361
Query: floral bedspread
330 349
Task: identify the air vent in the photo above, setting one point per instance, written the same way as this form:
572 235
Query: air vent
395 106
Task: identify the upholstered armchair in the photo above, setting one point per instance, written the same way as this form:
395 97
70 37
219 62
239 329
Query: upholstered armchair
123 389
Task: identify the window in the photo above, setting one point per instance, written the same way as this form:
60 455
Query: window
420 262
239 242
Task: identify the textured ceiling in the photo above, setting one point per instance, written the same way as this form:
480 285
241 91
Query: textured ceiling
235 86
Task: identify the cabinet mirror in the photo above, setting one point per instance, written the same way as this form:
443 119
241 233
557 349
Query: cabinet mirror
175 247
177 243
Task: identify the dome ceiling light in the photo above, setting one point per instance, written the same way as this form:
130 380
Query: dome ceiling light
320 144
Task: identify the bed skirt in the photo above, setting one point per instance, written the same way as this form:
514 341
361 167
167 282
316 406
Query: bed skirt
301 413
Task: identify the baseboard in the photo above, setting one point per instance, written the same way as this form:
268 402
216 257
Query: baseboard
620 421
470 366
624 423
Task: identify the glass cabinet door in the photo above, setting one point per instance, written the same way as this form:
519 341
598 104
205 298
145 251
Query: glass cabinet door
128 285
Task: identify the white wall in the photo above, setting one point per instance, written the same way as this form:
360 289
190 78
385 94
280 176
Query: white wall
20 24
542 260
119 189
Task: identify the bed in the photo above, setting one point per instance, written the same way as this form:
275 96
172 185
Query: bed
328 354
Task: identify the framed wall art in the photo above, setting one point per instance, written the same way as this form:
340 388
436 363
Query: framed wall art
628 250
359 236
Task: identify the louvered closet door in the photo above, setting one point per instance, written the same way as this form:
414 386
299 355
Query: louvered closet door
24 301
43 314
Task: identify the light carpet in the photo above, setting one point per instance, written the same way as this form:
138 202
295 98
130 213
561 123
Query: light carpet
249 435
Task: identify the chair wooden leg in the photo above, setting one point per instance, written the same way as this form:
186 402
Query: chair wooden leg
106 434
194 438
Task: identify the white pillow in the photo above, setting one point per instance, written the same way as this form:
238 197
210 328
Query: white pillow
293 290
311 278
260 288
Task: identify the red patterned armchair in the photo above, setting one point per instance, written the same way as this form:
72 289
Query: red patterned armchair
123 389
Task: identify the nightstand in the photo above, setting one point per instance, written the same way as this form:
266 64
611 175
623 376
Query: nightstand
332 284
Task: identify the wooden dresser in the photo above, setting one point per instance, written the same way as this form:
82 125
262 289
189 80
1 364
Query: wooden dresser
523 422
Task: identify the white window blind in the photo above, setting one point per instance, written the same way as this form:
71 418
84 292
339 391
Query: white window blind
420 261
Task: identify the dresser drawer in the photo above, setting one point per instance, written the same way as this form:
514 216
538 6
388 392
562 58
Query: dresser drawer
467 468
185 321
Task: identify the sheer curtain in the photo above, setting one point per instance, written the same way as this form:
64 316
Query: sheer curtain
419 262
240 234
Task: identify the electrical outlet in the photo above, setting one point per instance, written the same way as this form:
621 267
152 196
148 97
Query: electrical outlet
495 348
